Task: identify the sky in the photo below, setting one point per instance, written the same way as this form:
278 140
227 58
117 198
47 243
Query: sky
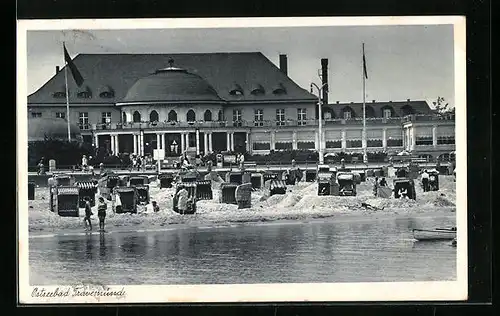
403 61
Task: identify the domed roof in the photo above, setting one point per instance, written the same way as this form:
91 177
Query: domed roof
42 128
171 84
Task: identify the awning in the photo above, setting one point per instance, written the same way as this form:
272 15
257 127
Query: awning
278 184
68 190
86 185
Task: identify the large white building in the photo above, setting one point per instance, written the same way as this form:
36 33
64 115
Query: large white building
216 102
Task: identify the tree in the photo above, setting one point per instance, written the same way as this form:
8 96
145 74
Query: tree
442 108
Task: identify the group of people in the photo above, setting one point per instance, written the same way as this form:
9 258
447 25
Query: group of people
102 208
427 184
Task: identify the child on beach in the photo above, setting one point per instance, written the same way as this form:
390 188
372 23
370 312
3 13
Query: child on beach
88 213
101 212
156 208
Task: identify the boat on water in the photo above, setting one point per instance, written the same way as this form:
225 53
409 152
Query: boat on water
435 234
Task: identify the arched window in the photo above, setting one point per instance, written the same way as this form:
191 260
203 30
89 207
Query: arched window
124 117
328 113
207 116
191 116
348 112
370 112
220 116
136 117
407 110
387 111
172 116
153 116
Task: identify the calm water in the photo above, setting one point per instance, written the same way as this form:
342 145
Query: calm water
324 251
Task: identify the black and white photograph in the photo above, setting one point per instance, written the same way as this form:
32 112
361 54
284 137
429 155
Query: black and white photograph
242 160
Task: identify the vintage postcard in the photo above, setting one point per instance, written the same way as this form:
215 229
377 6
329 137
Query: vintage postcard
242 160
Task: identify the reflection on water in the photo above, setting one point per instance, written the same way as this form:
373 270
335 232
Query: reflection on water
277 253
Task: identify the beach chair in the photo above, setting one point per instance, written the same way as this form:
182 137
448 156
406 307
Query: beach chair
64 200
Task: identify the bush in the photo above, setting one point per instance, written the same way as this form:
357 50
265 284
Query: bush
300 156
65 153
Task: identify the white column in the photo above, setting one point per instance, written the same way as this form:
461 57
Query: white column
384 138
294 140
183 142
413 138
316 140
162 141
228 141
247 142
210 147
344 140
232 141
135 143
96 141
323 141
273 140
158 140
117 147
205 143
112 143
434 136
197 142
141 143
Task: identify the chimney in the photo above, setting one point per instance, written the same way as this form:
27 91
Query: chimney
57 70
284 64
324 79
338 102
407 100
373 101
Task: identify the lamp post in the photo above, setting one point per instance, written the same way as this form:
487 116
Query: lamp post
320 128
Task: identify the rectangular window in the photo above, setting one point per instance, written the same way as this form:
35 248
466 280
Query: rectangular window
61 115
306 145
259 117
36 114
355 143
423 141
374 143
83 120
261 146
280 117
283 146
106 118
394 142
334 144
237 118
347 115
446 140
302 116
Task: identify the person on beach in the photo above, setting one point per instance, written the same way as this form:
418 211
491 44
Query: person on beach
84 163
375 187
383 182
425 180
88 213
40 167
182 200
156 208
101 212
371 207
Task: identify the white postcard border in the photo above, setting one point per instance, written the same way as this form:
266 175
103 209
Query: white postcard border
376 291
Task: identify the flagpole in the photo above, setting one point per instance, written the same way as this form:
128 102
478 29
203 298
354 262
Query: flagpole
67 96
364 106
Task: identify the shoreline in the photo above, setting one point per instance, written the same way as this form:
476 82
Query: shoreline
370 217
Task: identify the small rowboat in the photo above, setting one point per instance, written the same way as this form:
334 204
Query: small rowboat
434 234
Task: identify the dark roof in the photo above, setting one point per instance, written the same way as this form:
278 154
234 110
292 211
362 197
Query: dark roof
42 128
171 84
220 70
399 108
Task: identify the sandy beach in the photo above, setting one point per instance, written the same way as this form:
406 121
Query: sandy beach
300 203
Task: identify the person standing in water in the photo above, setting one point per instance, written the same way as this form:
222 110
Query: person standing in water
88 213
101 212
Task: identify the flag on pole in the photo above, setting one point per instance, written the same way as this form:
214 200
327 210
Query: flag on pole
364 63
74 70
